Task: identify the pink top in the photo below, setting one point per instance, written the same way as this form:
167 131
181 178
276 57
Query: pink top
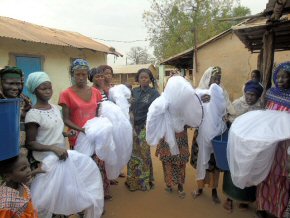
80 110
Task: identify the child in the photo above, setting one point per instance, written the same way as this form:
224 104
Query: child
15 200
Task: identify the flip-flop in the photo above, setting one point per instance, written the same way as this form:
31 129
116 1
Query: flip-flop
196 194
181 194
168 189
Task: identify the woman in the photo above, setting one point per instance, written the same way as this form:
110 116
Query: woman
174 165
108 76
140 169
11 86
273 192
211 178
65 170
79 102
96 76
248 102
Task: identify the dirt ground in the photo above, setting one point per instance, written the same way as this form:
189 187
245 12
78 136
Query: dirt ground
157 203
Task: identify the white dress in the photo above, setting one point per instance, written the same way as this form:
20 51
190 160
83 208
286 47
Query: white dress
69 186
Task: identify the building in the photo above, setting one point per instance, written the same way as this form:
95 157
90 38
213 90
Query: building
224 50
37 48
127 73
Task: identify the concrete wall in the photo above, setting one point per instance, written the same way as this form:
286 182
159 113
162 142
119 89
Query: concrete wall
56 59
235 60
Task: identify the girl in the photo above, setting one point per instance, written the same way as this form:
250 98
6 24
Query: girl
15 199
140 169
72 182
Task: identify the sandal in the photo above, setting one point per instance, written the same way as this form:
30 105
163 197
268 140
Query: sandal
196 193
114 182
181 194
228 205
168 189
108 197
122 175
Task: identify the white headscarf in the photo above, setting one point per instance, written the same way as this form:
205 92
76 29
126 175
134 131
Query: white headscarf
204 84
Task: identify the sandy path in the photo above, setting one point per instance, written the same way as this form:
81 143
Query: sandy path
158 204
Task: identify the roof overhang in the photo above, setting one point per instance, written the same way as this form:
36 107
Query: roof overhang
251 33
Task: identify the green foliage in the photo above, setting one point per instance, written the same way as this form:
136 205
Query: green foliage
171 23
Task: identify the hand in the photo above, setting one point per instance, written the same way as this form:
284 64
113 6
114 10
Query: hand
60 152
72 133
38 170
205 98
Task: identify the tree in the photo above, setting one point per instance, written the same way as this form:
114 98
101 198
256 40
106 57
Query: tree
171 23
138 55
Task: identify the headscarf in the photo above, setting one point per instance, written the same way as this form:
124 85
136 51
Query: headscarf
205 79
204 84
276 94
35 79
80 64
94 71
254 86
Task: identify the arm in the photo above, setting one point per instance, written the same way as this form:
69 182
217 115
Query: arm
31 133
67 121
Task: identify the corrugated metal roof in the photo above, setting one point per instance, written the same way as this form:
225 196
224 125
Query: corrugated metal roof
129 69
21 30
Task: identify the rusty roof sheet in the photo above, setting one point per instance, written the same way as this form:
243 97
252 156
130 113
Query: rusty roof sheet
21 30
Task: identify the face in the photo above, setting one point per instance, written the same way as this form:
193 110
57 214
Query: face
283 79
144 79
44 91
12 87
255 77
98 80
251 97
80 77
215 79
108 74
21 172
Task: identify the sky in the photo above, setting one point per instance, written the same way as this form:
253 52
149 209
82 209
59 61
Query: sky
107 21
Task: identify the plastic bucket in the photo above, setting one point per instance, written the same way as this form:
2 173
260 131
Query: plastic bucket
9 128
219 144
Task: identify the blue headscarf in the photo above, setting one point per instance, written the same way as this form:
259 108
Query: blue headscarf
254 86
35 79
275 94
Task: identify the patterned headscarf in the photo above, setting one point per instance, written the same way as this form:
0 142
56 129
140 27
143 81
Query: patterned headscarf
275 94
80 64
